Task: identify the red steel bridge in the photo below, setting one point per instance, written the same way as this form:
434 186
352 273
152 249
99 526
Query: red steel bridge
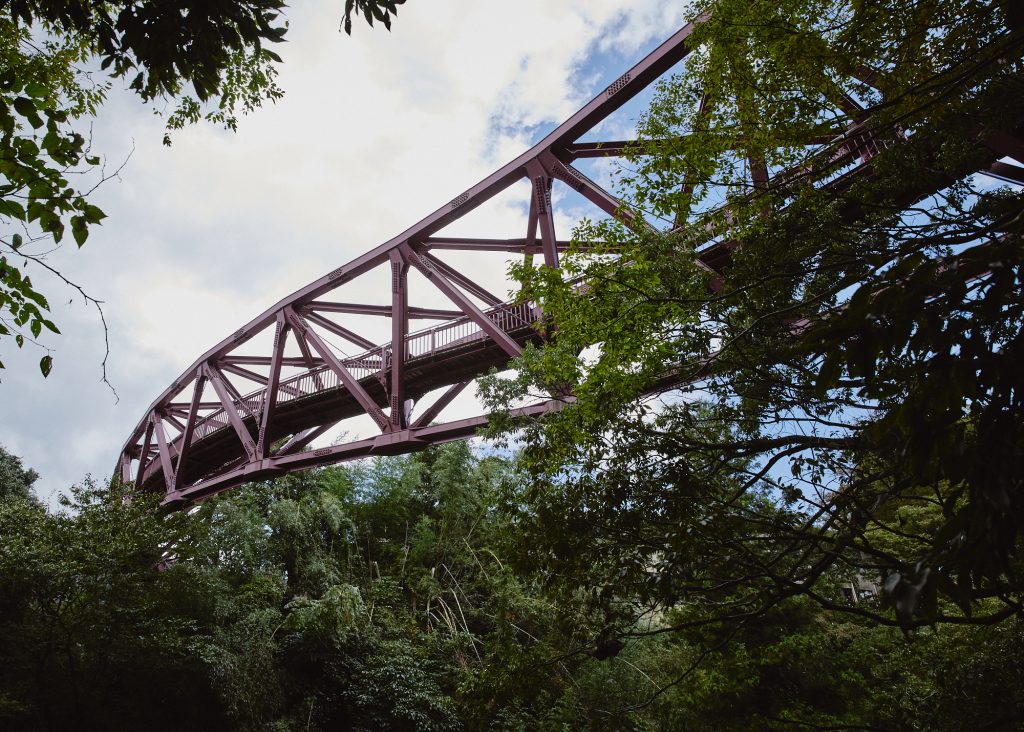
249 408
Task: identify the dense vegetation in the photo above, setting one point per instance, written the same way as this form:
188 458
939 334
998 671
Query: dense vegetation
843 397
398 594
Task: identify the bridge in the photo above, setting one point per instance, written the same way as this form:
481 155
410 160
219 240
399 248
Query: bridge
249 408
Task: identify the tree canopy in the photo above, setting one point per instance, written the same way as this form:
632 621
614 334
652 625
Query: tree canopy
843 400
16 481
402 594
211 60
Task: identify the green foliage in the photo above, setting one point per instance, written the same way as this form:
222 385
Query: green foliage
279 607
88 631
15 480
210 61
843 401
40 97
382 10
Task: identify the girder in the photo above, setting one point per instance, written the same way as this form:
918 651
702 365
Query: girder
249 407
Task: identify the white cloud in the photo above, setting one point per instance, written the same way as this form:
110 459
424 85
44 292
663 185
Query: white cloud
375 132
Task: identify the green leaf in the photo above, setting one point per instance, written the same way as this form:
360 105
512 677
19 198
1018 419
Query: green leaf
13 209
27 109
45 364
79 229
36 90
93 214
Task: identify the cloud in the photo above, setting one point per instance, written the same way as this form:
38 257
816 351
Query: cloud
375 132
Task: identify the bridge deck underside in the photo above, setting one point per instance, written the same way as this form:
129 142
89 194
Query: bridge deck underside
452 365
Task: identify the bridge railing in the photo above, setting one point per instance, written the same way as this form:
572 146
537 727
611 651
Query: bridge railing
847 155
427 342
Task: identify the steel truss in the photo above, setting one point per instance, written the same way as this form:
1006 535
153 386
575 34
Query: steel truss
234 417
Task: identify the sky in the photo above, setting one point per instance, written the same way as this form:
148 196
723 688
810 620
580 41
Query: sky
375 132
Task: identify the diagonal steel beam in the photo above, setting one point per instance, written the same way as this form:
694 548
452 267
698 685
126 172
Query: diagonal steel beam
273 385
299 441
235 395
462 280
253 376
217 381
341 332
164 452
461 301
231 368
170 417
303 333
144 455
590 190
437 407
307 354
190 427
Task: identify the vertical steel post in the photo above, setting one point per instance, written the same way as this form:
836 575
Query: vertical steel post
399 328
541 181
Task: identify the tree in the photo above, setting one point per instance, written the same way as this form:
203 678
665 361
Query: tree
88 630
307 603
213 61
855 359
15 480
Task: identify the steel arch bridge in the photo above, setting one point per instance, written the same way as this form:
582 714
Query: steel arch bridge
248 408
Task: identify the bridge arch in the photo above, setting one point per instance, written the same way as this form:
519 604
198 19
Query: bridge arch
249 408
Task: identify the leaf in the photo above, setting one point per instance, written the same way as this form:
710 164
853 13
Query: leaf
347 23
36 90
79 229
93 214
12 209
45 364
27 109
